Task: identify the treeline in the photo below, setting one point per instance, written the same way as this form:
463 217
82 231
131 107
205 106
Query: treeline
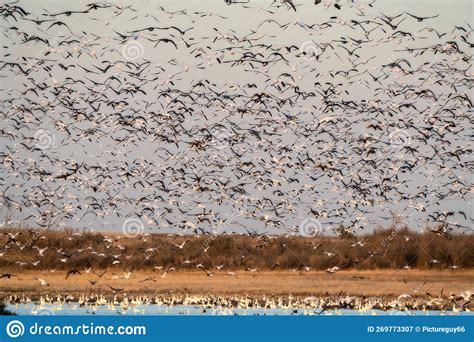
388 248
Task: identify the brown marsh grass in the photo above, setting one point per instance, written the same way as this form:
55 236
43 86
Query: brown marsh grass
382 249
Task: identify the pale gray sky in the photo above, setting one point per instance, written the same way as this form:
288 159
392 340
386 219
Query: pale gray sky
96 32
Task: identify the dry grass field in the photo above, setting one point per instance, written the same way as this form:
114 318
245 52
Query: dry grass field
384 263
389 283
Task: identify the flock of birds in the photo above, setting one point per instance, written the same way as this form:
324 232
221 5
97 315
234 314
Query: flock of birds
179 121
241 305
186 120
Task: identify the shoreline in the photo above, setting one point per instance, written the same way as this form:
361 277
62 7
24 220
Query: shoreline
93 302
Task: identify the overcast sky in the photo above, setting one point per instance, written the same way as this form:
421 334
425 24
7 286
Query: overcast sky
97 31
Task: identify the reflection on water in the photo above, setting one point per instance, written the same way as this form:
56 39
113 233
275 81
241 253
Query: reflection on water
76 309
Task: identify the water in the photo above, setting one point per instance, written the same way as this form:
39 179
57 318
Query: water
154 309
